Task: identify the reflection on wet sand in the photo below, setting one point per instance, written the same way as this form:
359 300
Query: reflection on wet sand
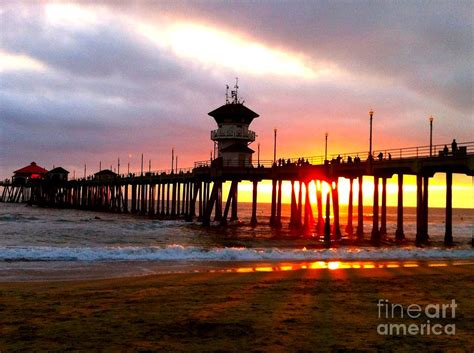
340 265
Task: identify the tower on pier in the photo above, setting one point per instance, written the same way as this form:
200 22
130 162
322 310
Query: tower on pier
233 135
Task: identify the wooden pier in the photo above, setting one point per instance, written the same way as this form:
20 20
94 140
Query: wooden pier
197 193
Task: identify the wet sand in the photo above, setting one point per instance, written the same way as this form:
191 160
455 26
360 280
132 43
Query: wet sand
321 309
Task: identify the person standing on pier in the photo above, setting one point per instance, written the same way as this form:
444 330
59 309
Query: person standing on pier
454 146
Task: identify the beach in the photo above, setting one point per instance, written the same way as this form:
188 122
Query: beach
90 281
305 310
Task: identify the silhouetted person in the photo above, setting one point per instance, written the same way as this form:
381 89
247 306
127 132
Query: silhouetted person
389 156
445 151
380 155
339 158
454 146
349 159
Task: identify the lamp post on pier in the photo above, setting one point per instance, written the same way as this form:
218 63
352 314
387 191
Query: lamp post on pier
258 154
326 147
371 113
431 135
172 160
274 145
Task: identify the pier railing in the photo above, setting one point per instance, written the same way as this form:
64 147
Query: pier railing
438 150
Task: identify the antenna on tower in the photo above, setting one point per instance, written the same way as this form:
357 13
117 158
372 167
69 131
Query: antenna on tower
236 96
227 94
235 93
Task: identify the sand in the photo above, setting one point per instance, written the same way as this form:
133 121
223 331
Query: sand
285 311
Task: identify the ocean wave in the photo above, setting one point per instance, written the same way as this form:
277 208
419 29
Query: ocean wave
17 218
183 253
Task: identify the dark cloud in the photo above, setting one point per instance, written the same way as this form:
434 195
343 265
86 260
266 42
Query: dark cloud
427 46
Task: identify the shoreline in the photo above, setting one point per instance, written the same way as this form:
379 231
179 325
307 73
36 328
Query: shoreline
58 271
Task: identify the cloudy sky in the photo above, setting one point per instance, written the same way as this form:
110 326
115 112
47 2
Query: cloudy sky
83 83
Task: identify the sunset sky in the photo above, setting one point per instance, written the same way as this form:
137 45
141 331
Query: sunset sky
90 83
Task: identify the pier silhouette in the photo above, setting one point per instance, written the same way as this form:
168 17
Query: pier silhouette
197 192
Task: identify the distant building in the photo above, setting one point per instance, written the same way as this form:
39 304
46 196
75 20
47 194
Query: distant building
30 172
233 135
105 174
57 174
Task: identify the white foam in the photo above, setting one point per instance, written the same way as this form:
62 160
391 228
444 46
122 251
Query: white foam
179 253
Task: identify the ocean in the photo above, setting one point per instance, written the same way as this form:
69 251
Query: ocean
38 241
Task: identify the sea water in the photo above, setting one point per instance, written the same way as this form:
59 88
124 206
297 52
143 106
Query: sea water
32 238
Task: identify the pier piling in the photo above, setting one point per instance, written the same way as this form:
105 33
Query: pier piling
399 234
375 237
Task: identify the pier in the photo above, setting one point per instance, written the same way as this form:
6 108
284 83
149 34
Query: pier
197 193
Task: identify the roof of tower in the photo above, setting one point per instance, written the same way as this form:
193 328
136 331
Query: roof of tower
233 112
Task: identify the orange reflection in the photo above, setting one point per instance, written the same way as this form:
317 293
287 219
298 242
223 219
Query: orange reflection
286 268
460 263
335 265
244 269
317 265
393 265
410 265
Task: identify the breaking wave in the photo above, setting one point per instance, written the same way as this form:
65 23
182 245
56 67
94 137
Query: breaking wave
192 253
